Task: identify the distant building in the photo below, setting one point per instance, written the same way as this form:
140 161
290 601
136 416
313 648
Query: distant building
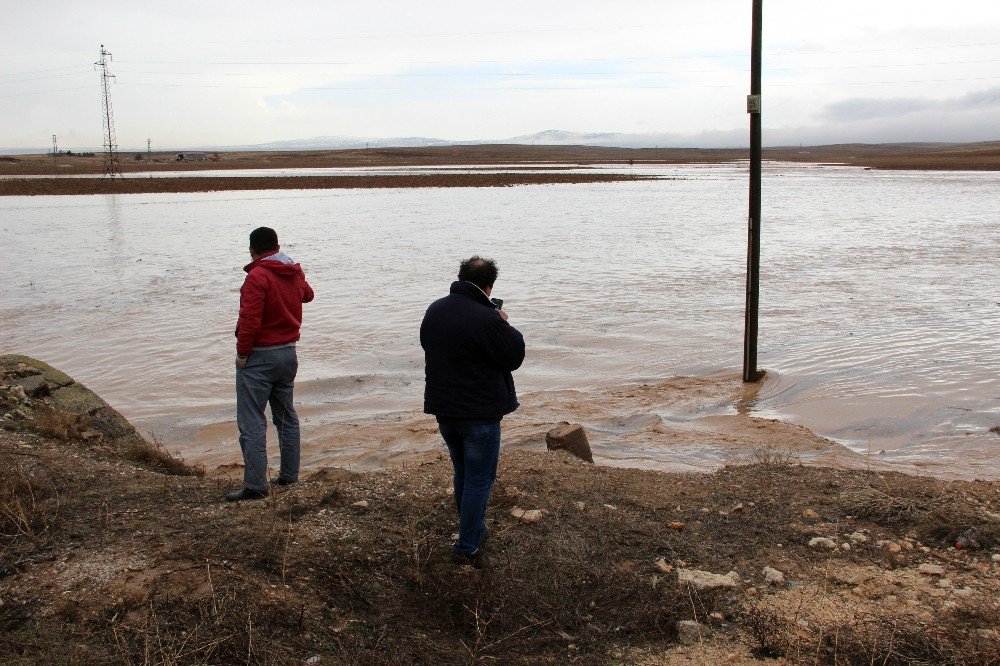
191 157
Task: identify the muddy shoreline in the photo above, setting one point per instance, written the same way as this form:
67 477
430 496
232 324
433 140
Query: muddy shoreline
139 185
984 156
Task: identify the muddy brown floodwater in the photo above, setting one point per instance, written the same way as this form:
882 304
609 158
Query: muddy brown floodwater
878 322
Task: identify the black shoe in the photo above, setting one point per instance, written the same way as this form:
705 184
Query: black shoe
476 560
246 494
282 481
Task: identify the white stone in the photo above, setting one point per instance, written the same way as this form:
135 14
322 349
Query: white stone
822 542
996 557
705 580
931 569
773 576
963 592
361 504
526 515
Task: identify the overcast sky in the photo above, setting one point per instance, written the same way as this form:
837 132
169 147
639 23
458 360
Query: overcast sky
224 73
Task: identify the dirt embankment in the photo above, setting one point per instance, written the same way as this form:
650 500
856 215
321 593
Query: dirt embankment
141 185
105 560
950 156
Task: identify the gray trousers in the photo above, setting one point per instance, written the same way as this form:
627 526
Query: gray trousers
268 378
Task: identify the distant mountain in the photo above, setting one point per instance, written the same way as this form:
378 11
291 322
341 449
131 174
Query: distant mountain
564 138
339 143
553 137
622 140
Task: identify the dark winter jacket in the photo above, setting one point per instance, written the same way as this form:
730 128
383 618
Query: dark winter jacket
470 352
271 301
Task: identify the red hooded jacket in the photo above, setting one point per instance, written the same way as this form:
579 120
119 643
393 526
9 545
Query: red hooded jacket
271 301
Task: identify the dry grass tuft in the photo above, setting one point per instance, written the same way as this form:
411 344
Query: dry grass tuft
49 422
770 456
959 637
883 506
938 517
232 621
29 507
767 630
155 457
25 510
968 637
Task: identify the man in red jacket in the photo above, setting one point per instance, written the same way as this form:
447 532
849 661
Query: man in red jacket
270 317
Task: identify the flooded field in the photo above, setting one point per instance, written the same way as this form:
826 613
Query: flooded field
880 307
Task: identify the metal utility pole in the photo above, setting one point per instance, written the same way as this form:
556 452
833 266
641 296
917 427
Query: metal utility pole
55 148
112 167
149 151
750 371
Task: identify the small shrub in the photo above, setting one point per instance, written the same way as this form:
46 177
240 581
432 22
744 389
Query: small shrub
154 456
770 456
26 509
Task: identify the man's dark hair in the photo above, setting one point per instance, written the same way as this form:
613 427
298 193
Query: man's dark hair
263 239
480 272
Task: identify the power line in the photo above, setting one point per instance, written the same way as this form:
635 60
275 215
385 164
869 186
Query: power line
595 88
40 71
500 74
415 35
45 92
543 60
514 88
552 74
481 33
50 76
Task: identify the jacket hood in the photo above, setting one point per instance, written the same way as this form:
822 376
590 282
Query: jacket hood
472 291
276 262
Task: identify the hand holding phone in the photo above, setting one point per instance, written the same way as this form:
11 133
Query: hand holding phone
497 303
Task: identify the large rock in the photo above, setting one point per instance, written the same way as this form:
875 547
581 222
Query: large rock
61 404
570 437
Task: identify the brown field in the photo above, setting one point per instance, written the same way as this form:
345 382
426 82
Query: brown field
974 156
139 185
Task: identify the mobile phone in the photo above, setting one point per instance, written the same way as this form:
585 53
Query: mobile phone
497 302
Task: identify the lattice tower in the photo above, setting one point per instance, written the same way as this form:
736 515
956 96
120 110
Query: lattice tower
112 166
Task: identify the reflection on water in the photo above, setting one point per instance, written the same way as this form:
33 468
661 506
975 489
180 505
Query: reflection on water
879 305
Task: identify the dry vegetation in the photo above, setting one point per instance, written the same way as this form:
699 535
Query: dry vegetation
544 161
103 560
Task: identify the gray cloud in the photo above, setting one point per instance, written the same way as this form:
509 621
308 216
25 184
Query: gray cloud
867 108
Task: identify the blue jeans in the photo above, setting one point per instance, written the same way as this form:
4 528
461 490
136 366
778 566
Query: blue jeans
268 378
474 453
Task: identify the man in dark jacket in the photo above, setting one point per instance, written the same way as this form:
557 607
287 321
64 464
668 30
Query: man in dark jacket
470 351
270 319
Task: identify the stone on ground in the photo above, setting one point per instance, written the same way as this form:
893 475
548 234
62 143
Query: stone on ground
773 576
705 580
690 632
570 437
526 515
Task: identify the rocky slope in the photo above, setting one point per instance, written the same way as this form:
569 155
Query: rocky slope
110 559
